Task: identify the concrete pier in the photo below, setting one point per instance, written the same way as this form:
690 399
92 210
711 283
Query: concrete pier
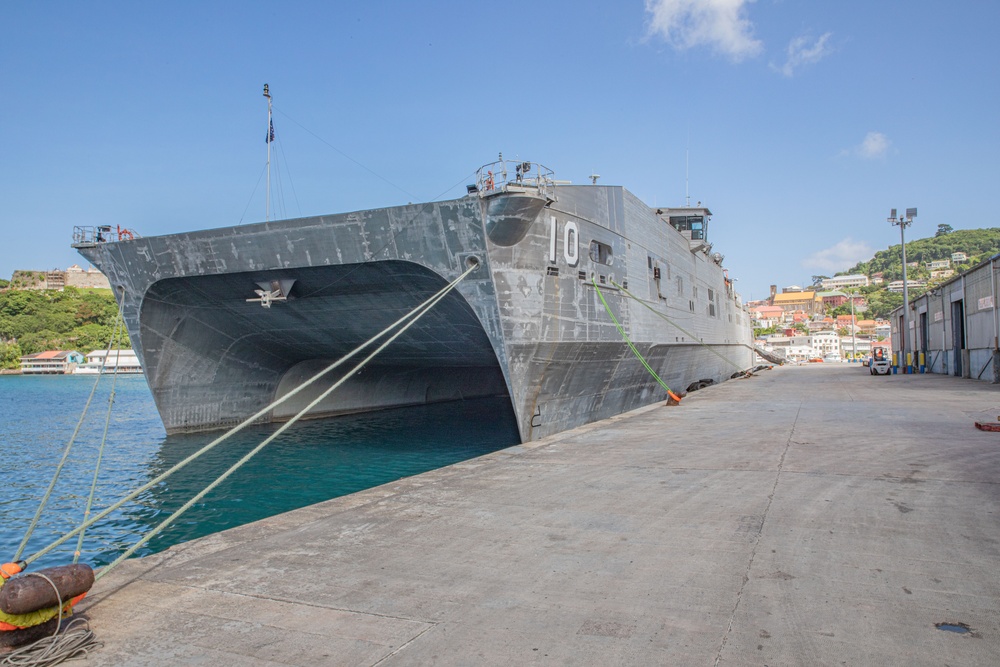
807 516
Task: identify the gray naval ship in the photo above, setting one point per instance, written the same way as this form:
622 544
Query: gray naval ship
227 320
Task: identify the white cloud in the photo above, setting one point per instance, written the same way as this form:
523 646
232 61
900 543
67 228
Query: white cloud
875 145
839 257
719 24
802 52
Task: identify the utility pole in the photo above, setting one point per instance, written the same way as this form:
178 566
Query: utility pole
904 336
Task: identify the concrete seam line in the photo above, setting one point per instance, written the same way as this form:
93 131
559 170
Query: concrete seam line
760 532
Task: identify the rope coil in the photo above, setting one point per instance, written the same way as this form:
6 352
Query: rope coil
76 641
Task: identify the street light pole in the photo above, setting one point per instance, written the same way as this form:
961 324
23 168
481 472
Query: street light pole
904 222
854 328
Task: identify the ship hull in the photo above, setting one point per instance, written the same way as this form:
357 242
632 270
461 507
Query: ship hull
528 322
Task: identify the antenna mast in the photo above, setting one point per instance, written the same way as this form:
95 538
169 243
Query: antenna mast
687 171
270 138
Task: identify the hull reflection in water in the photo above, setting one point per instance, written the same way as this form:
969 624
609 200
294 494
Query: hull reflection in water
315 461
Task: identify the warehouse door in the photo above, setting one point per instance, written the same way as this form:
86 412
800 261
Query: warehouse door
958 334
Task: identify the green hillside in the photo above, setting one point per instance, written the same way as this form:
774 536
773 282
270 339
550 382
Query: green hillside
978 244
38 320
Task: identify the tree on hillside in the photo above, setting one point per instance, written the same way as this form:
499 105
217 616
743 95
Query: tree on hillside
10 355
818 280
844 309
38 320
970 241
883 302
943 229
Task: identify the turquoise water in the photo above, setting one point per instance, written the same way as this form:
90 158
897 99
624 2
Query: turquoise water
311 462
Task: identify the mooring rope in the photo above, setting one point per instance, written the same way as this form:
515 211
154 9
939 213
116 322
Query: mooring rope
66 451
632 347
249 455
104 437
682 329
249 420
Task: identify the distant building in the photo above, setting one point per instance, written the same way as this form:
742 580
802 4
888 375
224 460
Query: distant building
825 324
52 362
833 298
866 327
803 348
897 285
840 282
808 302
845 321
825 343
942 274
103 361
938 264
767 316
855 347
877 278
959 257
57 279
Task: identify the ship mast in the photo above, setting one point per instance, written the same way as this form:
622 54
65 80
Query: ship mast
270 138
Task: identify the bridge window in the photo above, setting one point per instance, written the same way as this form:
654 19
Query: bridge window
695 224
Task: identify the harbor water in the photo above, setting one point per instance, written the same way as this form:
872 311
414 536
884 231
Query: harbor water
311 462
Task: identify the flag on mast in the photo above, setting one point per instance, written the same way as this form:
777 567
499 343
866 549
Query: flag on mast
270 134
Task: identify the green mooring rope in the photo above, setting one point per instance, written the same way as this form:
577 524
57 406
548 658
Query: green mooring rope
629 342
682 329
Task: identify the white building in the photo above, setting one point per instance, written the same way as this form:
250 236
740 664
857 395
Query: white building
959 257
804 348
825 343
50 362
838 282
938 264
100 361
897 285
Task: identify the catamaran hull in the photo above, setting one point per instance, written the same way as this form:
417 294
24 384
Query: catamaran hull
528 323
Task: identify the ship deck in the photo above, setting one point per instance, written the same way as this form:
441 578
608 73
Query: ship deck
813 515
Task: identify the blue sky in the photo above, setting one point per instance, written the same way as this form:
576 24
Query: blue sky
803 122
